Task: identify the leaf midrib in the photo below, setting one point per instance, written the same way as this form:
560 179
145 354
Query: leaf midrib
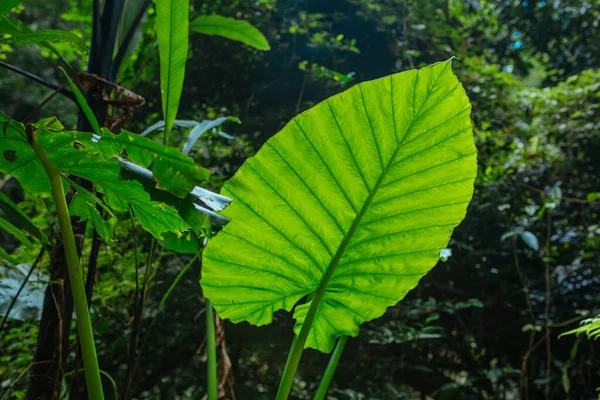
344 244
318 294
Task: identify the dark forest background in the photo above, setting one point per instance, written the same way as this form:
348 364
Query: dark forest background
525 260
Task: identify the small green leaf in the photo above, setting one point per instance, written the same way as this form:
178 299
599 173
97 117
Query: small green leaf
7 5
16 232
172 31
530 239
86 210
241 31
48 36
177 279
185 244
11 26
201 128
89 114
590 327
16 216
85 206
7 257
349 206
173 171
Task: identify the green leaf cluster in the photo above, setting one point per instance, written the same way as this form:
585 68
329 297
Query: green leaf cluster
96 159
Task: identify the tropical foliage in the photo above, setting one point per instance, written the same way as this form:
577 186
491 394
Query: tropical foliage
167 168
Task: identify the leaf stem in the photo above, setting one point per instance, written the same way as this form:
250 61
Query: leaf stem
211 352
330 370
287 379
84 324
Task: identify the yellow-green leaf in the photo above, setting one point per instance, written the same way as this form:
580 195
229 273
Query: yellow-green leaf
350 205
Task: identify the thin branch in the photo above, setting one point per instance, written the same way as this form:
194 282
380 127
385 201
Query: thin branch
405 33
39 80
523 282
524 387
144 64
139 311
92 266
133 345
547 310
33 112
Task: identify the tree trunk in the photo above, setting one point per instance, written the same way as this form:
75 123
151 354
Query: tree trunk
52 347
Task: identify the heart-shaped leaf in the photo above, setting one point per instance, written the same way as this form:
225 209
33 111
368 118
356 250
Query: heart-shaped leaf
349 205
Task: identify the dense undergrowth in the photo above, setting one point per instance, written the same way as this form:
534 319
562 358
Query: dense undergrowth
485 323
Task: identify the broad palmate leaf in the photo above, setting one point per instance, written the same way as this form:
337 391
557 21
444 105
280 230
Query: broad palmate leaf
350 204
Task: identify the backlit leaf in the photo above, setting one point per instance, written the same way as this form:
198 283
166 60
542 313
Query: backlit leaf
356 196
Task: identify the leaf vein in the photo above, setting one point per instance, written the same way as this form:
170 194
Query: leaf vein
327 167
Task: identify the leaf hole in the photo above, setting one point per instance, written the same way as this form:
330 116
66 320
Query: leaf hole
10 155
78 145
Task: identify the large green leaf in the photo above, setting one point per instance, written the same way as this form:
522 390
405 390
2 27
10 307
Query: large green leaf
355 197
48 36
172 31
241 31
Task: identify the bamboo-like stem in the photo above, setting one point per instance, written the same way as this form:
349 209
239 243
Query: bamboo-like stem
84 324
211 352
330 370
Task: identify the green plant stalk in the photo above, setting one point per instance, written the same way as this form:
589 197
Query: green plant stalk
330 370
211 352
287 380
84 323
